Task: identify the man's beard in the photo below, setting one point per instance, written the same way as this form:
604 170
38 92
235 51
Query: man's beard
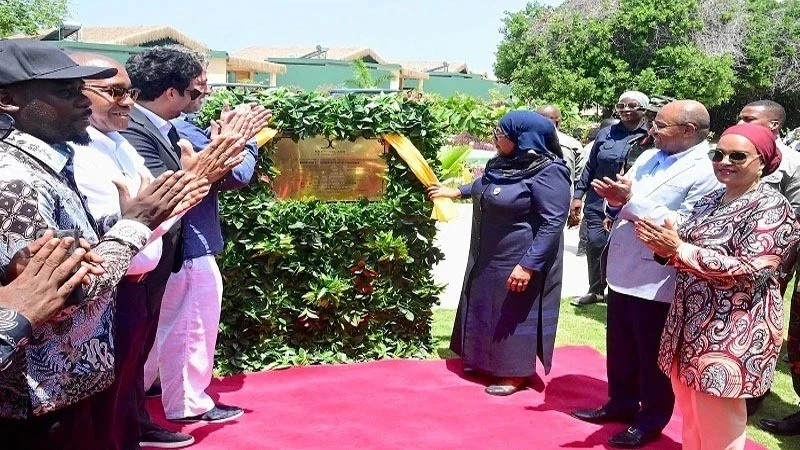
80 138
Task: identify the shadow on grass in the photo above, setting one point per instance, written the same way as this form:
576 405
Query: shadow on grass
596 312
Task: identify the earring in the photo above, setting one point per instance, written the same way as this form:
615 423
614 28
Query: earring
6 125
760 173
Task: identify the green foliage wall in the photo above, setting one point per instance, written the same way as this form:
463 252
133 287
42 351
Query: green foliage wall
321 282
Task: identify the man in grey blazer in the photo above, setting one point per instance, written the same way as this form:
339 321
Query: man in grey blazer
663 184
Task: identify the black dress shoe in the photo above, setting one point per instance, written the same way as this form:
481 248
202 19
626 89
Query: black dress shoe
603 415
632 438
788 426
587 299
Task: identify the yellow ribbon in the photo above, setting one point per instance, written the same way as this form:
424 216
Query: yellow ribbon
265 135
443 208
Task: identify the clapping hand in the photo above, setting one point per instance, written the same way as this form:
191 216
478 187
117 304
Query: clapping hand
662 240
616 192
169 194
223 153
247 119
49 276
91 261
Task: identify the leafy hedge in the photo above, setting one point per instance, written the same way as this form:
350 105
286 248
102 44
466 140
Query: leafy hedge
322 282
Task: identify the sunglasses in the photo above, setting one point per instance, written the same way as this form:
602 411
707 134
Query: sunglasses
497 134
194 93
735 157
115 92
623 106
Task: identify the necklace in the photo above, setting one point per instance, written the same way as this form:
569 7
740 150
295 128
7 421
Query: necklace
726 202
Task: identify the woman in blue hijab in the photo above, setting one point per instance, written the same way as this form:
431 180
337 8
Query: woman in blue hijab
508 311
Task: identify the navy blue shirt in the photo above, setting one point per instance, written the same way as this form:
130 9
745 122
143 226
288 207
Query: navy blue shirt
202 234
605 160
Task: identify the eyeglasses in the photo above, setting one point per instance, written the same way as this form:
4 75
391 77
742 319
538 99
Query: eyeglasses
497 134
117 93
633 105
735 157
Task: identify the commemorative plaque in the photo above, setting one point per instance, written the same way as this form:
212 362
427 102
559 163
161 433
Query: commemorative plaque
319 168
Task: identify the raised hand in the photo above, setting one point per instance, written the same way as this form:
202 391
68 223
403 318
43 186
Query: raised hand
259 119
662 240
616 192
49 277
160 199
225 152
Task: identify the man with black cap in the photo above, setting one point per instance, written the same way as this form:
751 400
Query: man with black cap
45 398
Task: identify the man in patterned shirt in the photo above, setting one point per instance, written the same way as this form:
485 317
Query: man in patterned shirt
45 390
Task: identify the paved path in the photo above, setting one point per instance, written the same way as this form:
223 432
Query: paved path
453 238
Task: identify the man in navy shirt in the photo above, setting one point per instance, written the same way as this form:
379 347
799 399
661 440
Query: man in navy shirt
183 353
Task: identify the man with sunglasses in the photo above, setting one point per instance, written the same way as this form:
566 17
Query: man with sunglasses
183 355
106 160
663 184
47 397
167 79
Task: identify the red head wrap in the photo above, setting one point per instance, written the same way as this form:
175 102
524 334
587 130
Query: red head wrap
764 141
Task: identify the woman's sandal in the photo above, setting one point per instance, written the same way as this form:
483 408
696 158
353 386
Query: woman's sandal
502 390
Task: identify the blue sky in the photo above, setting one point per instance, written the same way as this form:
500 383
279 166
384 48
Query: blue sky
439 30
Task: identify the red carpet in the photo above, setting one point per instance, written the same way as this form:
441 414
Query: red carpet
404 404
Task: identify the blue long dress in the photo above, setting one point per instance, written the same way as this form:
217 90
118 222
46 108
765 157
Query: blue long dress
515 221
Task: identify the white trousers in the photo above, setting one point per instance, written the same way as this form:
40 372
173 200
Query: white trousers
183 354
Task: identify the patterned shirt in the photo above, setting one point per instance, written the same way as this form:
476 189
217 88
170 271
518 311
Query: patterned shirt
14 333
70 357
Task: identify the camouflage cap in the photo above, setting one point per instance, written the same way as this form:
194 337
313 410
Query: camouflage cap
657 102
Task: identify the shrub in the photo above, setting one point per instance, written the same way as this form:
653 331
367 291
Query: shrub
326 282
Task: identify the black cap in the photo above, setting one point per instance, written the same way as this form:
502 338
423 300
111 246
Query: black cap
31 59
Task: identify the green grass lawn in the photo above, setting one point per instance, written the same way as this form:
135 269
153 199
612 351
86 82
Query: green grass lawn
586 326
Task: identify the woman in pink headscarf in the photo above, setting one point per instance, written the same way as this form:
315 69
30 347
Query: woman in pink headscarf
724 330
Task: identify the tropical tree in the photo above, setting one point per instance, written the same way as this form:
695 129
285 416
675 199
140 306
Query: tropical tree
723 53
28 16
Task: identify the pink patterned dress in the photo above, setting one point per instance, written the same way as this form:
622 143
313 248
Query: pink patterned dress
725 327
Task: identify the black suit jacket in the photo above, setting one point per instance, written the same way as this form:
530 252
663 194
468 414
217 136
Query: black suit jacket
159 156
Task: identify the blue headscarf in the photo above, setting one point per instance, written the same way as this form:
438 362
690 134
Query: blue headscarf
530 131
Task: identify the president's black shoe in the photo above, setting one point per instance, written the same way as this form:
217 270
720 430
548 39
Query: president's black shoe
603 415
587 299
788 426
632 438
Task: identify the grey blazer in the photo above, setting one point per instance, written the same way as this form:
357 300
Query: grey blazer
669 193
